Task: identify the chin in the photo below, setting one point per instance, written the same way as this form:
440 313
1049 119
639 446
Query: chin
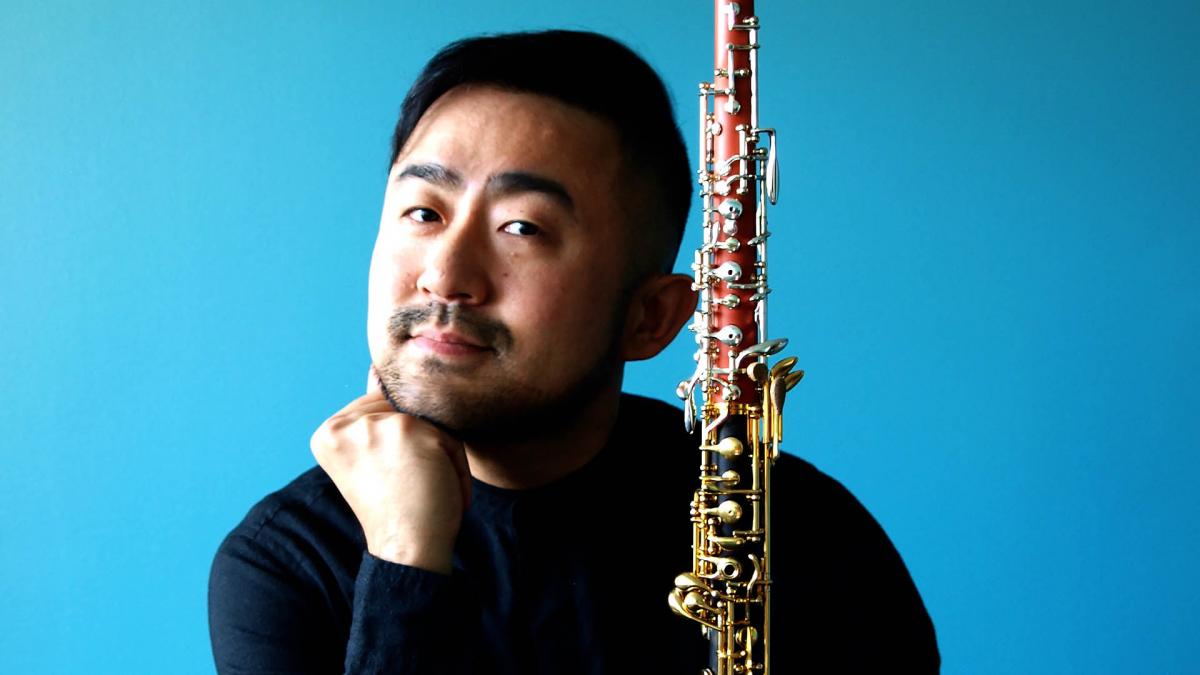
492 406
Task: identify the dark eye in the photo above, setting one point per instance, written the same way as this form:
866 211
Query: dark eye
520 227
422 214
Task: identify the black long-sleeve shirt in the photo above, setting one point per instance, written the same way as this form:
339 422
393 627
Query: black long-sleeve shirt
569 578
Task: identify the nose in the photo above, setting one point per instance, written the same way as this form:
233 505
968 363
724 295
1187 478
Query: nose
454 267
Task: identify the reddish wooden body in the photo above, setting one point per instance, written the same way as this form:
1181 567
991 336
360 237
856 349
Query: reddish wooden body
725 146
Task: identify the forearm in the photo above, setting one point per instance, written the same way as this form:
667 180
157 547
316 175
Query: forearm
269 613
405 620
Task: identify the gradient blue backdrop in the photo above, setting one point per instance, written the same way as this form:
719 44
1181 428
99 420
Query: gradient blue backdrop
985 256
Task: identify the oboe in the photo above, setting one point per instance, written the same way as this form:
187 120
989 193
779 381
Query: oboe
741 398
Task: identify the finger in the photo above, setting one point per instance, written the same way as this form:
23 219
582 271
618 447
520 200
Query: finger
365 404
458 456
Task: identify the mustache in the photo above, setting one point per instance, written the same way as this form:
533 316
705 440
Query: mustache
465 320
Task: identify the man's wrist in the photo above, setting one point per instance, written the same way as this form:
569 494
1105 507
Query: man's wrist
434 556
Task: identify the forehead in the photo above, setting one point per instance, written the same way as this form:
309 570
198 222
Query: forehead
479 131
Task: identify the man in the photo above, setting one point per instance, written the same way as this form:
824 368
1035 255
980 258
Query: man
494 504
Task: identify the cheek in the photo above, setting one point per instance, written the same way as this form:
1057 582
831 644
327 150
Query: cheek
377 316
544 288
570 314
382 285
393 272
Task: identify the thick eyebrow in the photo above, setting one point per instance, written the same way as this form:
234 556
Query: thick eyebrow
509 182
433 173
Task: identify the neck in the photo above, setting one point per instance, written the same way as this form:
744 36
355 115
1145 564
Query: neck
532 463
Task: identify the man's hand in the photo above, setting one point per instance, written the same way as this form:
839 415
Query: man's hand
406 480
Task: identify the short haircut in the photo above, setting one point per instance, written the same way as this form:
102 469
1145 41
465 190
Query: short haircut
603 77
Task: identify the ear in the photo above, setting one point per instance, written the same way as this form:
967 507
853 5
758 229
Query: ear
658 309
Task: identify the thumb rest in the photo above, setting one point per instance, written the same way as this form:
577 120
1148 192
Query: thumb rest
741 398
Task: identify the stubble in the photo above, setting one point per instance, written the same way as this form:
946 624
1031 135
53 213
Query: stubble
504 407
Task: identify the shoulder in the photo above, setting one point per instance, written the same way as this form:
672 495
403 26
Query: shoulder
652 420
280 585
802 486
305 524
304 499
832 561
803 494
834 558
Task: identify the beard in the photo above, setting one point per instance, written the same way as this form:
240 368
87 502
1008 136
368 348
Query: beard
503 406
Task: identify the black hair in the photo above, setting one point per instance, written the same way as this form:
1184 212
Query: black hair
596 74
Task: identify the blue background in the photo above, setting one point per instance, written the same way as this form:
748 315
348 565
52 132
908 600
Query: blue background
985 256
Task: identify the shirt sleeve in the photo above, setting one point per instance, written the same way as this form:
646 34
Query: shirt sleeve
268 616
403 621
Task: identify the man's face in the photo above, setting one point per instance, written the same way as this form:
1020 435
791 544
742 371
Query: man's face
496 285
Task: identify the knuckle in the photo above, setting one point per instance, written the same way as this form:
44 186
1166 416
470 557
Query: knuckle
338 421
329 437
321 441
